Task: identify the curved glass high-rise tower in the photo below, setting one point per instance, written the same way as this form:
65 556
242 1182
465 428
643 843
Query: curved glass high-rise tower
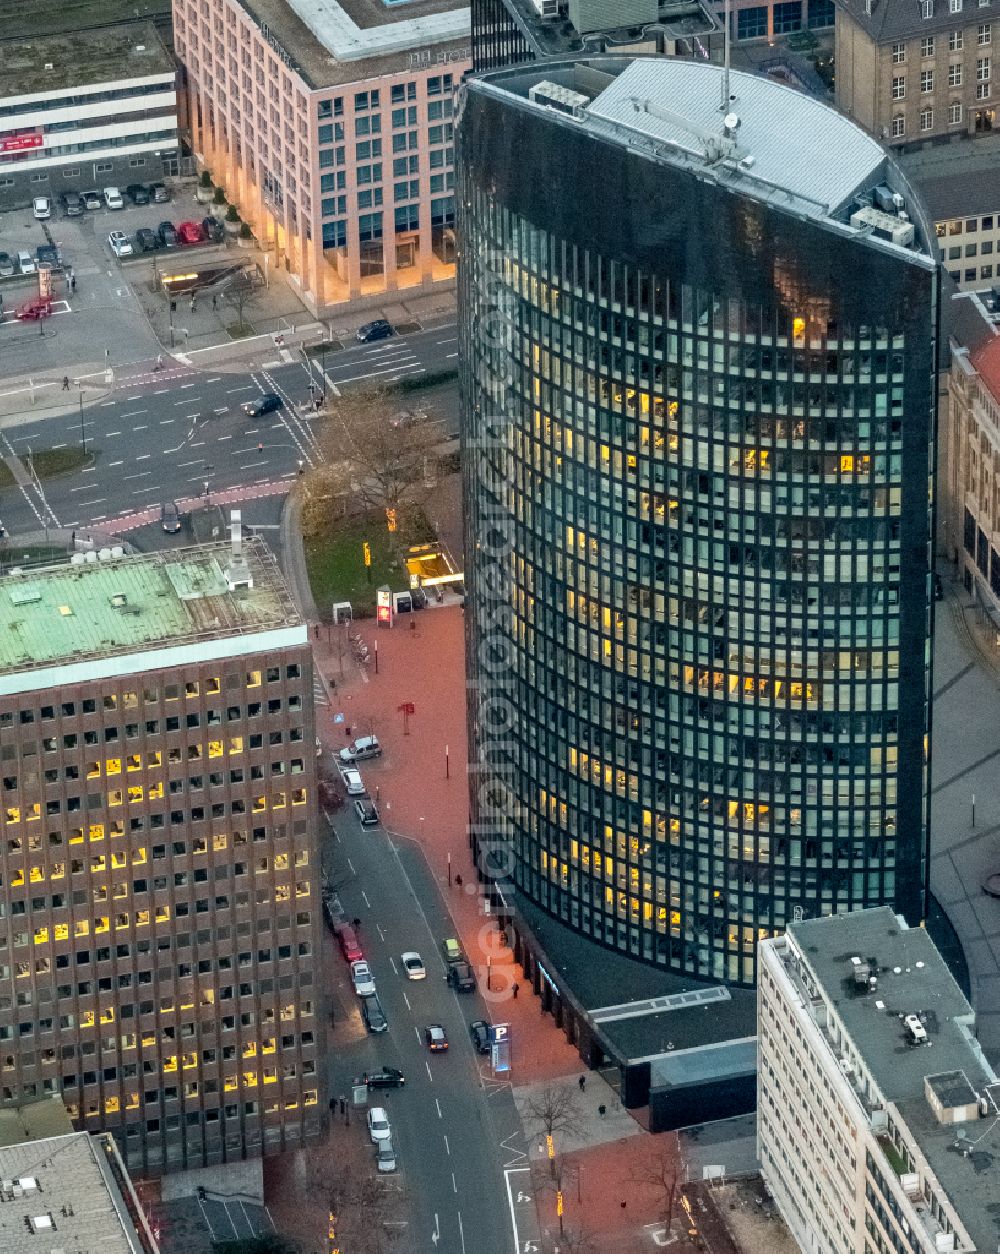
698 356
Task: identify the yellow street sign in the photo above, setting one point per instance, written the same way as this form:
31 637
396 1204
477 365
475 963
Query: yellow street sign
368 553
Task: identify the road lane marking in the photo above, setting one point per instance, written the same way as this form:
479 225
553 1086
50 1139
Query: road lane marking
143 457
392 962
144 427
110 464
110 432
447 1149
223 410
105 404
249 388
226 437
165 422
461 1230
407 1000
134 413
367 902
351 865
191 385
452 339
141 475
438 1105
137 397
161 391
180 466
417 1031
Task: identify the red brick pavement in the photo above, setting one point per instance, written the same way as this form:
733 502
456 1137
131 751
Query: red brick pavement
425 665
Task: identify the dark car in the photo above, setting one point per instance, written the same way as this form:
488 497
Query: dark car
385 1078
380 329
138 193
158 193
460 977
374 1015
48 255
72 204
7 267
146 241
213 230
480 1033
367 814
265 404
91 199
436 1038
170 517
938 588
168 234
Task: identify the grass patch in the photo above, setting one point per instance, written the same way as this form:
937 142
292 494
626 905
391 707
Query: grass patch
240 330
49 463
418 382
335 563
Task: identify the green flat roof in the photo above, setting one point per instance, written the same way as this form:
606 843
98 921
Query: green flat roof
81 59
56 615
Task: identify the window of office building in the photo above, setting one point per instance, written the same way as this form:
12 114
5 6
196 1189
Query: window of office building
787 16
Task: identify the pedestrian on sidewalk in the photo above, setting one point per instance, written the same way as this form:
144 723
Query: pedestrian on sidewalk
458 881
215 300
602 1110
72 282
583 1083
514 989
65 382
192 304
343 1105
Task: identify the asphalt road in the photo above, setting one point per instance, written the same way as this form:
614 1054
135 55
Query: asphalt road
455 1127
167 438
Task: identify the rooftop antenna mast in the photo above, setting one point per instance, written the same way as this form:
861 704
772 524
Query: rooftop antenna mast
724 105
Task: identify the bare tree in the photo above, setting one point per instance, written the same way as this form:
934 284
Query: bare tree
577 1241
662 1173
360 1200
373 451
236 294
553 1109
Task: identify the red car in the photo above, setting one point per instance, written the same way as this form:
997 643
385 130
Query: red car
190 233
34 310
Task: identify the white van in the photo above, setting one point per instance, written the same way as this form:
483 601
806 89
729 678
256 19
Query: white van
25 262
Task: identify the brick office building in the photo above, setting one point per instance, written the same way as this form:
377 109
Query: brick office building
159 908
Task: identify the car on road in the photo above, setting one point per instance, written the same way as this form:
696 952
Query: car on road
374 1015
41 208
146 240
213 230
385 1078
189 233
113 198
378 1124
413 965
385 1156
364 747
91 199
479 1030
170 517
436 1038
367 814
25 262
168 234
452 951
72 204
138 193
6 265
353 782
261 405
460 977
120 243
380 329
159 194
348 941
362 978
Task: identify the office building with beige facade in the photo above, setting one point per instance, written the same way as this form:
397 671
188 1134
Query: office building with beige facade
913 71
330 126
878 1125
159 926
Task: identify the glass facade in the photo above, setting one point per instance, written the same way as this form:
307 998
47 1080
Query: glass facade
698 448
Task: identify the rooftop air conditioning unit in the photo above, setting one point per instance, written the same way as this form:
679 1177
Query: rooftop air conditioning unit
546 8
555 96
917 1031
887 226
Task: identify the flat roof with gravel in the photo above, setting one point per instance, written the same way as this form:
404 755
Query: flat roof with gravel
83 58
87 615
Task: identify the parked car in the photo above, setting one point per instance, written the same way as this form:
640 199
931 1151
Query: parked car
413 965
367 814
6 265
436 1038
146 241
121 246
363 748
168 234
479 1030
460 977
158 193
452 951
113 198
189 233
260 405
170 517
213 230
138 193
91 199
348 941
362 978
378 1124
41 208
374 1015
72 204
385 1078
25 262
380 329
48 255
353 782
385 1156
